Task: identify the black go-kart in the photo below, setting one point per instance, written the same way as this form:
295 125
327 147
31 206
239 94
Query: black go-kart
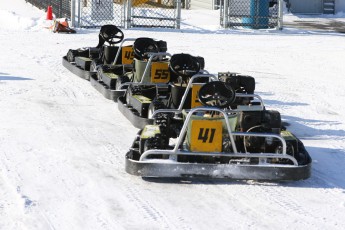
112 80
186 76
163 88
217 141
83 61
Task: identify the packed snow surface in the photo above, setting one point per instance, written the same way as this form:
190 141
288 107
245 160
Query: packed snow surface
62 144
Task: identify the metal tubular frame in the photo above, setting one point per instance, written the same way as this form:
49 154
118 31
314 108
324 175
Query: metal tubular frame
176 150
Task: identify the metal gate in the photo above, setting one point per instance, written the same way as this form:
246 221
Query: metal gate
153 13
95 13
126 13
253 14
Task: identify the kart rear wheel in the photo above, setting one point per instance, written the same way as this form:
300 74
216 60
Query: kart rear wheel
94 64
155 105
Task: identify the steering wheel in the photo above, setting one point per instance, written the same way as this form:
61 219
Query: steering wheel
217 93
143 46
111 34
184 65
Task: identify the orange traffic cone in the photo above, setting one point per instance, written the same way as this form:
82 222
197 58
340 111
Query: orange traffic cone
50 13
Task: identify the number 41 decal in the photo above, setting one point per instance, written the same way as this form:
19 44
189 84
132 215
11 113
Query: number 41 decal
203 135
206 136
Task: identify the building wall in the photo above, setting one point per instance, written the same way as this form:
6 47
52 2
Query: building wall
307 6
339 6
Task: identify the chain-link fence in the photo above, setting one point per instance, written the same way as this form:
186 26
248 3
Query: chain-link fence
95 13
127 13
61 8
254 14
154 13
122 13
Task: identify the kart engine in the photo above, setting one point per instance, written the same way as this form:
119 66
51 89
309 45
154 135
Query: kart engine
240 83
266 121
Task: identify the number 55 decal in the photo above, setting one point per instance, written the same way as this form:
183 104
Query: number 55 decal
160 72
206 136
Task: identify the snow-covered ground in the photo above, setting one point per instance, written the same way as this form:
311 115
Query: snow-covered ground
62 144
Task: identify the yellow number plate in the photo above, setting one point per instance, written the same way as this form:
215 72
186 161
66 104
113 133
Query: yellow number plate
160 72
127 55
206 136
195 98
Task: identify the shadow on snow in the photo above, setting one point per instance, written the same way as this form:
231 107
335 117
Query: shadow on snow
7 77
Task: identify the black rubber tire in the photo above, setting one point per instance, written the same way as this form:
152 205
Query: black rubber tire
155 105
94 64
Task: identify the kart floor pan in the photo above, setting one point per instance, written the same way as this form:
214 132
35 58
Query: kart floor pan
136 120
108 93
83 62
230 171
75 69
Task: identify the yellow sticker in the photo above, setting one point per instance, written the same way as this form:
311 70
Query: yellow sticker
127 55
160 72
206 136
195 91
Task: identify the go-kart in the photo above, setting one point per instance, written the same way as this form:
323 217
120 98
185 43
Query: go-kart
162 89
83 61
217 141
112 80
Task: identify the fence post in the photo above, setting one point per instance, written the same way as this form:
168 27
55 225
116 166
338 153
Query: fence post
226 13
187 4
280 14
79 13
128 14
72 13
178 14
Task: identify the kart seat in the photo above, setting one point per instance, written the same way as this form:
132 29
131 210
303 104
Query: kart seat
196 131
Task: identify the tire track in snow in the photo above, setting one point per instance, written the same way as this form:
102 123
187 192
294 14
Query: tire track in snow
64 80
148 210
116 158
112 155
9 203
151 213
68 183
279 196
242 200
10 193
276 201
